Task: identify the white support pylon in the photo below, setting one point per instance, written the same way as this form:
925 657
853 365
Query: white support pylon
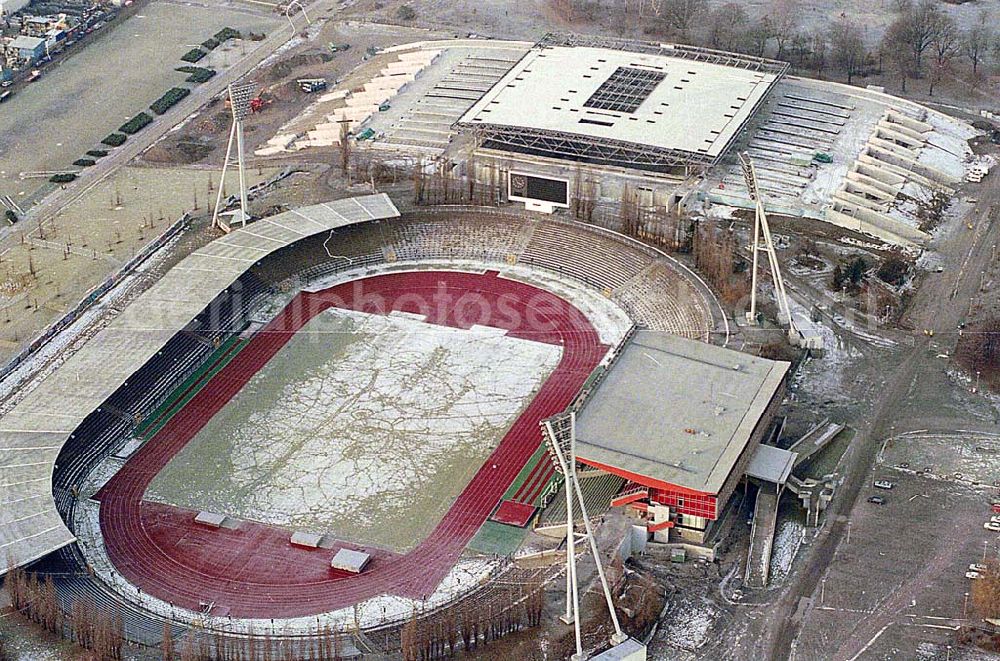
560 431
762 242
239 102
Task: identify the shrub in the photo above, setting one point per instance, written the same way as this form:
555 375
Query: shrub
136 124
406 13
114 140
97 153
62 178
893 270
210 44
197 74
10 216
84 162
225 34
169 100
193 55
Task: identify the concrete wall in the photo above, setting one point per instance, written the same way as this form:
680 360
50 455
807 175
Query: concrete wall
11 6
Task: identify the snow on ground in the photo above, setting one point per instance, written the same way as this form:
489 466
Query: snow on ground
26 376
467 575
787 541
363 426
686 625
947 146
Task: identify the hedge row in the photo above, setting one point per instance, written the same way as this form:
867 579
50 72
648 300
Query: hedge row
225 34
63 178
197 75
84 162
210 44
136 124
169 100
97 153
193 55
114 140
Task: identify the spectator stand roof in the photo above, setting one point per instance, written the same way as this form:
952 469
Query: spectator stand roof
676 412
621 102
34 431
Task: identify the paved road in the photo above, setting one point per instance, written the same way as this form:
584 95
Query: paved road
941 303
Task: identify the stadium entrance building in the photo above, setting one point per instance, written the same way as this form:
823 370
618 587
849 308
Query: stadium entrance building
655 112
680 420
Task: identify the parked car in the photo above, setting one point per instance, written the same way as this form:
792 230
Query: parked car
877 500
973 575
995 518
884 484
977 566
992 526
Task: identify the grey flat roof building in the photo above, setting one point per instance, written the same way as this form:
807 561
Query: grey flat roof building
677 412
647 106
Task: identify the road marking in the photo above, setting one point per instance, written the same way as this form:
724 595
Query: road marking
870 642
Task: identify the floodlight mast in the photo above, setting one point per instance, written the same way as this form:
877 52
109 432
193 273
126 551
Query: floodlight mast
763 242
560 431
240 97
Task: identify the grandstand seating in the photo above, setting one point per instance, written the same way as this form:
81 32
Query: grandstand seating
599 261
661 300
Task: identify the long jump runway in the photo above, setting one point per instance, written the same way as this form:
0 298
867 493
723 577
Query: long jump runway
253 571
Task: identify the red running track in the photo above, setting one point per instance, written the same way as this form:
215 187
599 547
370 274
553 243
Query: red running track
253 571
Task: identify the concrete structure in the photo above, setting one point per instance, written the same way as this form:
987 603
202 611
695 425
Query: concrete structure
663 108
348 560
35 430
8 7
681 420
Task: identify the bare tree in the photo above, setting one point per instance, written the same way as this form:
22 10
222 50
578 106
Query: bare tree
896 52
680 14
986 592
727 25
977 40
946 45
847 48
786 22
758 34
915 30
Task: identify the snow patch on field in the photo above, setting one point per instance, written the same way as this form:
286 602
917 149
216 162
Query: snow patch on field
363 426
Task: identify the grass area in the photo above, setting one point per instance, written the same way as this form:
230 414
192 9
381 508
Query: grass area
497 538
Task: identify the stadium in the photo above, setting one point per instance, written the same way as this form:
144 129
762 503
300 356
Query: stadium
166 480
330 421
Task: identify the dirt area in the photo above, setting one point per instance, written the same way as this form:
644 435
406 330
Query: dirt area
42 278
203 138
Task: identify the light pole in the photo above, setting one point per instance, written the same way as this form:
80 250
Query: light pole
965 607
822 592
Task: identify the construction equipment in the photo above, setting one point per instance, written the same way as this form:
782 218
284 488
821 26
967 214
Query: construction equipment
310 85
762 242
